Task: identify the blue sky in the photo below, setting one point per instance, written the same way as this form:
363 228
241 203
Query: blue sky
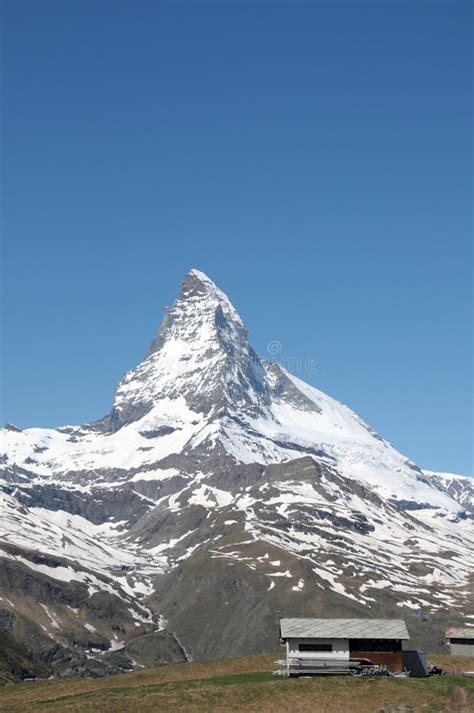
312 158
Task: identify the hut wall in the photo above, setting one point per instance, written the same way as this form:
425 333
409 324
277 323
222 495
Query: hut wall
392 660
462 649
340 648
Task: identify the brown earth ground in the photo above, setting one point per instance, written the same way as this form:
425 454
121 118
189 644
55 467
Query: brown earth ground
245 684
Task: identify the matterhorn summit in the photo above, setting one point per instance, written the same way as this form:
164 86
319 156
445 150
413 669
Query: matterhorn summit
218 488
201 354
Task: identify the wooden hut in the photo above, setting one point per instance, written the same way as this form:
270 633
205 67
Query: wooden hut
460 640
336 645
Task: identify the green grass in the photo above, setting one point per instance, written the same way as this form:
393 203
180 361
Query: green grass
152 689
244 684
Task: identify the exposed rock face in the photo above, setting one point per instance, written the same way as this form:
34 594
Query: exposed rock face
219 493
459 489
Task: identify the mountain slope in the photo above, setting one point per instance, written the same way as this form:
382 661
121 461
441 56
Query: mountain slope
218 481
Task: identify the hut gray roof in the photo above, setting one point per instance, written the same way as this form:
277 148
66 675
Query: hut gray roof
343 629
458 632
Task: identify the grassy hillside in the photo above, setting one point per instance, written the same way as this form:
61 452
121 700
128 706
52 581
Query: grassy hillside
243 684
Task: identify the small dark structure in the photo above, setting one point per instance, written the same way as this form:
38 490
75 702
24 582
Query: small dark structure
460 640
415 663
343 646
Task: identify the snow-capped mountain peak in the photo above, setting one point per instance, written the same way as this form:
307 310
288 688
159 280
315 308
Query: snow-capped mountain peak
200 313
201 354
201 387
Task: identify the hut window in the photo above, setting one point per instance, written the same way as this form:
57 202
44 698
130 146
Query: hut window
315 647
375 645
463 641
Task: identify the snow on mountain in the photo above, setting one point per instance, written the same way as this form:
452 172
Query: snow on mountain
209 458
93 551
458 487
